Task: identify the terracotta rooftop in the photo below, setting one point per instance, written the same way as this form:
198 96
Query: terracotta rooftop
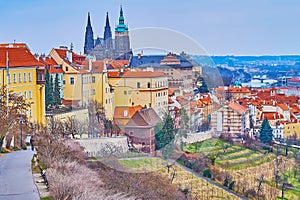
238 108
51 65
97 66
126 111
271 116
283 107
75 57
142 74
18 57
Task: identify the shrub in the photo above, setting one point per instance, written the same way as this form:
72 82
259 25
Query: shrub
206 173
231 185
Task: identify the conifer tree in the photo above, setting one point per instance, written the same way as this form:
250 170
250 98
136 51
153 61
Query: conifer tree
56 99
164 136
266 132
48 89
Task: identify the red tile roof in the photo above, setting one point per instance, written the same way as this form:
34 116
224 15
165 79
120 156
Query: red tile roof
97 66
117 64
142 74
76 58
283 107
130 110
271 116
18 57
238 108
51 65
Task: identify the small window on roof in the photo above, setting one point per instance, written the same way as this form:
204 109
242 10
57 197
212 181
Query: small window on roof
125 113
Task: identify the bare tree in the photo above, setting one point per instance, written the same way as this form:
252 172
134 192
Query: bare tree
96 118
12 108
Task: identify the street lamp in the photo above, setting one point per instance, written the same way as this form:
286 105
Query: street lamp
21 121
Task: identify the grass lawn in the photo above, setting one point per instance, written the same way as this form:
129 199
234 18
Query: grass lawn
294 192
141 164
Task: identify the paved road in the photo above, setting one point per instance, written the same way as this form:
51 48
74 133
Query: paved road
16 182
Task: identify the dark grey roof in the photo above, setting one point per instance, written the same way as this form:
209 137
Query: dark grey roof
154 61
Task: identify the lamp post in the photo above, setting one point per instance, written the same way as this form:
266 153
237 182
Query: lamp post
21 121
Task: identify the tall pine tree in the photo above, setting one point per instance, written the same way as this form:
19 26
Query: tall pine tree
266 132
48 90
56 98
165 135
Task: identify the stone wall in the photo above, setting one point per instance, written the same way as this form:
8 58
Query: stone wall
104 147
198 137
81 115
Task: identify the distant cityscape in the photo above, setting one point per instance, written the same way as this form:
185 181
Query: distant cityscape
114 125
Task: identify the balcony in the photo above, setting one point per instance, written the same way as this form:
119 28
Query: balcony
40 78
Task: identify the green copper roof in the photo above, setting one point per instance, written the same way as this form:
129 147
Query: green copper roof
121 27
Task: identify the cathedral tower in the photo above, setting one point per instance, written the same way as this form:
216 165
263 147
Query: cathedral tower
107 40
122 45
89 37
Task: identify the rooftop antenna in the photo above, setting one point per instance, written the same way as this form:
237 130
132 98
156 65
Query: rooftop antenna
14 41
71 47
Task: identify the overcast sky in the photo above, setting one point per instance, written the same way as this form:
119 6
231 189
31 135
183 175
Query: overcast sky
220 27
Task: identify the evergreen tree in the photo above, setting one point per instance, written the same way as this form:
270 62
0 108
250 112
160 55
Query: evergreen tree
266 132
56 98
48 90
164 136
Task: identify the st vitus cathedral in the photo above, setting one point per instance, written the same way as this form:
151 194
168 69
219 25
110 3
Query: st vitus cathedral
107 47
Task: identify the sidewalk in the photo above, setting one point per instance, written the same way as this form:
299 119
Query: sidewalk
16 181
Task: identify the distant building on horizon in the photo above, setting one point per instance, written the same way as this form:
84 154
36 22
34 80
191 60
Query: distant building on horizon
107 47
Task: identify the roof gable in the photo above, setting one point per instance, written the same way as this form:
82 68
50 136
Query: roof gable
144 117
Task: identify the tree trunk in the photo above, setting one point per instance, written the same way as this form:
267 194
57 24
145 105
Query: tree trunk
1 143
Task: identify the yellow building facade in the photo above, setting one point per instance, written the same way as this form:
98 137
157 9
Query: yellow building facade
25 78
148 89
289 130
85 81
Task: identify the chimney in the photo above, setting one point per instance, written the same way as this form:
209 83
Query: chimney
90 64
69 56
105 63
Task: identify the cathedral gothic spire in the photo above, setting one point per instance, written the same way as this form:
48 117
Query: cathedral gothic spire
89 37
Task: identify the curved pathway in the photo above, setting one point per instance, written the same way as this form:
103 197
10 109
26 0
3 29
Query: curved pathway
16 182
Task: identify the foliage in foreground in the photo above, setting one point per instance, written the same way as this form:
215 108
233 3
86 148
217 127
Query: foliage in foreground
150 185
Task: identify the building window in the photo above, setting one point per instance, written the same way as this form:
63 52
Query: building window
72 80
20 94
93 79
8 78
29 77
130 133
24 77
25 95
30 94
15 78
20 77
30 113
93 92
138 85
64 82
149 85
67 68
125 92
